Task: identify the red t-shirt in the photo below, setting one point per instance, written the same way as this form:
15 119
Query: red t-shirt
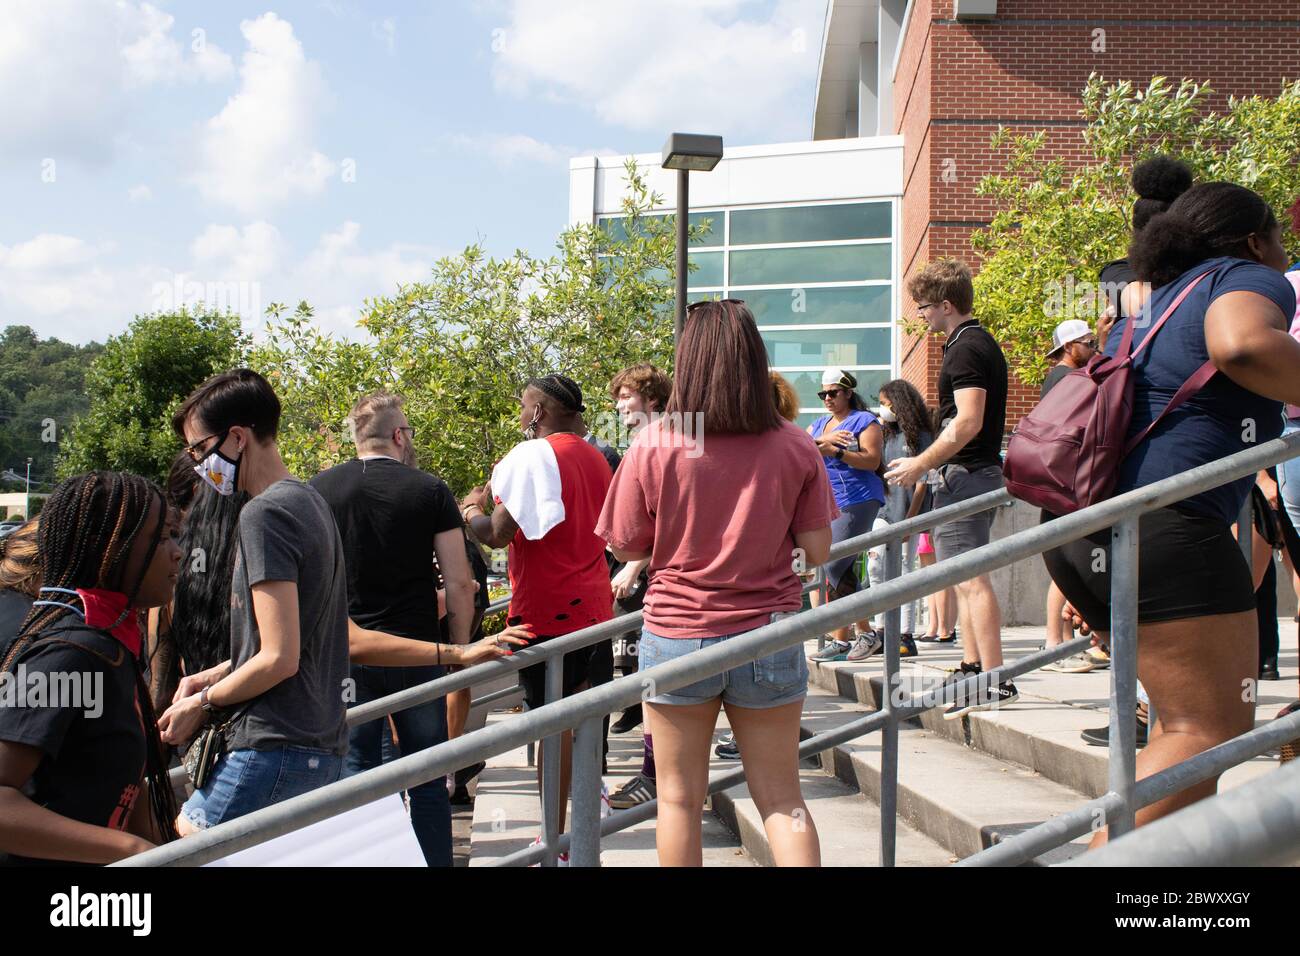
554 488
718 517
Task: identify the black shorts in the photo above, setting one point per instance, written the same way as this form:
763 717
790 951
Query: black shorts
578 670
1189 565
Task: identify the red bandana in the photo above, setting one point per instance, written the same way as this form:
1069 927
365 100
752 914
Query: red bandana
104 610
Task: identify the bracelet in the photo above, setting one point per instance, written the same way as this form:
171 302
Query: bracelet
464 512
207 705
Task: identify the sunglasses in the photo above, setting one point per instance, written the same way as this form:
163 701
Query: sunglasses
196 455
702 302
829 393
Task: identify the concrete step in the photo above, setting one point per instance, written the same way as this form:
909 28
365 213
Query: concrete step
848 827
1041 730
955 796
508 813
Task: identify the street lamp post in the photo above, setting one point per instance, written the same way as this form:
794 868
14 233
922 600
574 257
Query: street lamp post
27 505
685 152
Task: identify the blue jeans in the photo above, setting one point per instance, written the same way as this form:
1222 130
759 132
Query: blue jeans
1288 479
246 780
418 728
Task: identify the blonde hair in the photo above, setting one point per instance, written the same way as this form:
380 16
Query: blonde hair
374 417
20 559
944 280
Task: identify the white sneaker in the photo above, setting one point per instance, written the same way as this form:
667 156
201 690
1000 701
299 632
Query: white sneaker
1074 664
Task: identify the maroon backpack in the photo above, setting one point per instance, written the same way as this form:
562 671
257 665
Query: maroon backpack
1065 454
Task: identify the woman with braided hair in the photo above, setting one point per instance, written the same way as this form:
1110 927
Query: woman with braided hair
83 780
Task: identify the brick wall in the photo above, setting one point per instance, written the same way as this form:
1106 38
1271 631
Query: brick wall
957 82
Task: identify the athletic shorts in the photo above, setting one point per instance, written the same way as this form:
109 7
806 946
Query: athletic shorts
955 538
577 671
1189 565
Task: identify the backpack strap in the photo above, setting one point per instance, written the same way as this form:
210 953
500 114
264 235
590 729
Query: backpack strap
1190 387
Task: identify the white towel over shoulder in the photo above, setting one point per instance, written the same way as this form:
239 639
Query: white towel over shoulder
527 482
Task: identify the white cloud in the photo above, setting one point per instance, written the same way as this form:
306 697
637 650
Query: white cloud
140 193
57 284
69 69
514 149
250 253
257 151
156 55
386 32
732 65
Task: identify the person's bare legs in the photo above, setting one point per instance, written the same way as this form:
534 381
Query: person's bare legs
682 735
981 620
457 711
816 598
946 607
1056 629
769 749
1196 673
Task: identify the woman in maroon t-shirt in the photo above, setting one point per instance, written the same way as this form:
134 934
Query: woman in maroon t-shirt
728 501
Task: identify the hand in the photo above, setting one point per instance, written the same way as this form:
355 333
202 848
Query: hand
192 684
1269 487
478 497
1105 322
829 443
905 471
181 721
1072 617
623 582
498 645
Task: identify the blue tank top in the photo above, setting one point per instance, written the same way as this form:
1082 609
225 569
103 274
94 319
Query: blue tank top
1222 418
852 486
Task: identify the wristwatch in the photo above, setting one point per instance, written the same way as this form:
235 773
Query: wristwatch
207 705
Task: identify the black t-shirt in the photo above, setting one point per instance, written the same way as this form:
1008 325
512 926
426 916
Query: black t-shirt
14 606
388 514
1058 372
972 358
605 448
1114 277
93 741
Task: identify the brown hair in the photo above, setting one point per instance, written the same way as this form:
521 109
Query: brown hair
786 398
374 417
721 371
944 280
647 381
20 559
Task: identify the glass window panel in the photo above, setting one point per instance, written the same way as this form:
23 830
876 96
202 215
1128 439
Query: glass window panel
707 276
713 235
843 347
810 223
816 264
817 306
808 384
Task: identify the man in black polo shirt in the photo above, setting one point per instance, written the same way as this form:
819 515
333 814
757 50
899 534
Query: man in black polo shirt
968 454
394 519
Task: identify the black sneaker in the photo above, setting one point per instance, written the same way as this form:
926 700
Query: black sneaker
907 646
960 673
465 774
1268 671
630 719
728 749
982 697
1100 736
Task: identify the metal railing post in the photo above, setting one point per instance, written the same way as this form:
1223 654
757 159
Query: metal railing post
584 847
1123 672
889 733
551 795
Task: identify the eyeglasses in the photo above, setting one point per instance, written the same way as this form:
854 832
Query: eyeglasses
408 428
829 393
193 450
922 306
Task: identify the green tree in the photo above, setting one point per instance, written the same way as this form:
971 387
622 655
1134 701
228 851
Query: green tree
1058 222
42 389
136 384
460 344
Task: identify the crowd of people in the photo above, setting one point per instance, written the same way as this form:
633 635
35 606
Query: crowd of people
232 618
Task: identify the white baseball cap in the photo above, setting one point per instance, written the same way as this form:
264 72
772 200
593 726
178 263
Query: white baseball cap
1071 330
837 376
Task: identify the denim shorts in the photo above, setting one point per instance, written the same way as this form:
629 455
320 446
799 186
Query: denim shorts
247 780
771 681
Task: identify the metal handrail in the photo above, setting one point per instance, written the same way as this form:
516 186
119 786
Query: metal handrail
594 634
585 710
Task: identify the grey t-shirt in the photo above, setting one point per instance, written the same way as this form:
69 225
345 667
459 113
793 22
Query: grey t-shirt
898 499
288 534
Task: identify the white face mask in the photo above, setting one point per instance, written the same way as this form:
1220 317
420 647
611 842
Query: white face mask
887 415
219 472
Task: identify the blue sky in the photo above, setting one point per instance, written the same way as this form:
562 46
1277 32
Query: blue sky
328 149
